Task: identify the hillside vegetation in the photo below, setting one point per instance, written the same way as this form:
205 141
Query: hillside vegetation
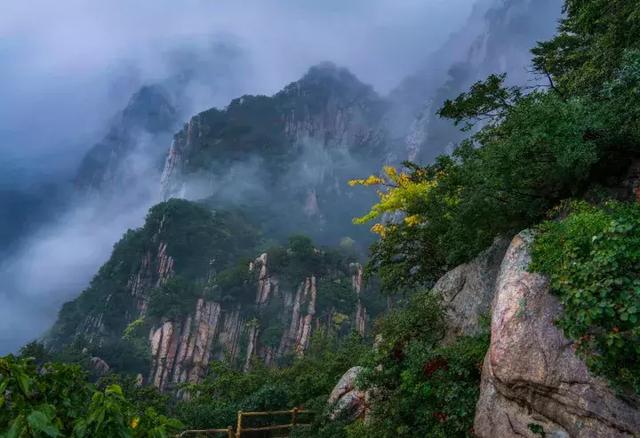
552 158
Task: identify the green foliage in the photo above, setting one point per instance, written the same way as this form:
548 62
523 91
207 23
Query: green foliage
590 44
305 382
140 397
198 238
199 241
504 179
55 401
173 300
621 97
537 429
422 388
592 258
530 151
417 386
300 259
421 318
487 100
336 294
234 284
36 351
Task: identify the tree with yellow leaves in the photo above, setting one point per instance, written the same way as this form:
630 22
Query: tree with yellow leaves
399 192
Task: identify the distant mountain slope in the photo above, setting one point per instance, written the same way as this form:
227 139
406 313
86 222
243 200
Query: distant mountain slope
496 39
185 289
135 141
289 153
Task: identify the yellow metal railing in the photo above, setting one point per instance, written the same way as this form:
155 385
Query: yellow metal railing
237 433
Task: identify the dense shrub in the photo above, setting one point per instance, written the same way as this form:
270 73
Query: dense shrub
55 400
529 149
592 257
506 177
304 382
417 386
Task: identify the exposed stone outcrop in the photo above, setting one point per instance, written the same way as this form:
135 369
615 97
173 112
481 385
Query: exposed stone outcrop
468 290
181 351
346 400
531 375
357 281
266 283
99 366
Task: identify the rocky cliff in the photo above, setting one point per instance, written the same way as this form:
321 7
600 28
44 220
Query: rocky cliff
181 350
296 148
179 292
532 381
496 39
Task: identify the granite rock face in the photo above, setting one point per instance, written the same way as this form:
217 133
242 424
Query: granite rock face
468 289
346 400
181 350
531 376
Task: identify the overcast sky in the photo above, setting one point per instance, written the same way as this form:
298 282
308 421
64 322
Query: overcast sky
67 66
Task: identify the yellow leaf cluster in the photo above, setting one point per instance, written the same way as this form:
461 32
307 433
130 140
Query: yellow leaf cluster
398 192
379 229
412 220
371 180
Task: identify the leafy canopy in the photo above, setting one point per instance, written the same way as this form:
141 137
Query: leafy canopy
592 257
502 179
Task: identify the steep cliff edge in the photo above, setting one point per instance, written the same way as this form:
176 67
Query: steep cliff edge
496 39
181 291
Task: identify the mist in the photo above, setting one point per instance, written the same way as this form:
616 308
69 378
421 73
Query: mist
68 71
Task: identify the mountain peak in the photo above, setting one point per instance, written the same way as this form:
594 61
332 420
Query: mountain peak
150 108
329 77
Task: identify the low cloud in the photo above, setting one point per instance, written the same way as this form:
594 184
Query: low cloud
69 67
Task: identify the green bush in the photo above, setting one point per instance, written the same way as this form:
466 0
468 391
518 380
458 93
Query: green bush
505 178
304 382
55 401
419 387
235 284
173 300
592 257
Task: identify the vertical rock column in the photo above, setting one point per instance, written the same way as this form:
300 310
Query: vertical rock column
304 329
357 279
181 350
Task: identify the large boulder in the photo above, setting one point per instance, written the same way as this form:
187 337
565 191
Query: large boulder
346 400
99 366
532 382
467 291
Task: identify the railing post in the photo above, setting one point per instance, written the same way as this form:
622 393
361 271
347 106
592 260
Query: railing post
294 415
239 425
230 432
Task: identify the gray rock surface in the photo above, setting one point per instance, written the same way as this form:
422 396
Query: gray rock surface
98 365
468 291
531 375
346 399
